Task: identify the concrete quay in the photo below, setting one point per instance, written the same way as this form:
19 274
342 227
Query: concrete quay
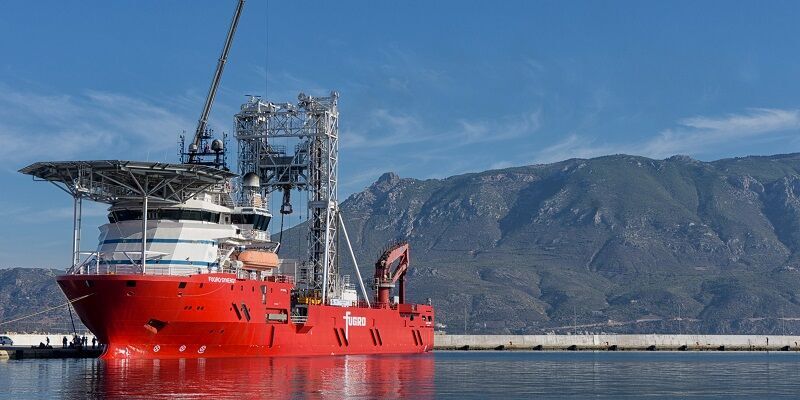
611 342
33 339
26 345
19 353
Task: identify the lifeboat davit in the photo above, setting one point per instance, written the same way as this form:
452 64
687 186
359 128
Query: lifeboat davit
254 259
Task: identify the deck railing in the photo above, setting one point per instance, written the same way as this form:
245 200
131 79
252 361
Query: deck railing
94 265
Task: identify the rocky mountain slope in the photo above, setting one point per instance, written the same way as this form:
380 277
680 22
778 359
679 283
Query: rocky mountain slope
25 291
611 244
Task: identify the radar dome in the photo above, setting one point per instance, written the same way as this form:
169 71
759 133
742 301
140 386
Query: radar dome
251 180
216 145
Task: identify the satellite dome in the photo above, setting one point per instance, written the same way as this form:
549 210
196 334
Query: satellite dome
251 180
216 145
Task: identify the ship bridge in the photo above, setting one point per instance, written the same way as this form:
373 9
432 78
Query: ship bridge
130 185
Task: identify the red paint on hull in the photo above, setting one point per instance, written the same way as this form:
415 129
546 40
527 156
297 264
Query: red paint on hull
217 315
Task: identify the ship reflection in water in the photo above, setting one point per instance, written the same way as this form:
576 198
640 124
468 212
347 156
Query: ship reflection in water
446 375
279 377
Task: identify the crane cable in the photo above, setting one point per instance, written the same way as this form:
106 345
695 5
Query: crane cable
280 235
266 52
44 311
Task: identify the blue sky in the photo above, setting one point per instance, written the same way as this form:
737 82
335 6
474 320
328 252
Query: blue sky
428 89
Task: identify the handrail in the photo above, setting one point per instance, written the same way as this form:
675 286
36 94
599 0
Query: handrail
97 265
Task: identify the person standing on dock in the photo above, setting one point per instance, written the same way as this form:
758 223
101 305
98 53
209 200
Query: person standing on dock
64 342
48 341
94 342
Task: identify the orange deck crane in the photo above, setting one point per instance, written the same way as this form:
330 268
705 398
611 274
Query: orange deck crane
385 278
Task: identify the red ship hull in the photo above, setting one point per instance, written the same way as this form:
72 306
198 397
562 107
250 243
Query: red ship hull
217 315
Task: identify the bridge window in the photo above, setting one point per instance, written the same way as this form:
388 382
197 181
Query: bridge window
259 222
168 214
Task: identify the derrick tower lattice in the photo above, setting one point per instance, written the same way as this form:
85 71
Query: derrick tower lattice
295 147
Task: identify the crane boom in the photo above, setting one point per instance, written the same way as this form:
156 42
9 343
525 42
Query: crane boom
212 91
385 279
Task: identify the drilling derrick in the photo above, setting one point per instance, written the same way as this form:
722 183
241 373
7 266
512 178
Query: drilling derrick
295 147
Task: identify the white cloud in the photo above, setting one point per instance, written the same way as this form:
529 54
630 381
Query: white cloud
700 134
693 136
501 165
573 146
93 124
533 66
384 128
509 127
403 67
283 86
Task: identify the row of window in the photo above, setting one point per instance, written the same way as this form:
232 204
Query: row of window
260 222
171 214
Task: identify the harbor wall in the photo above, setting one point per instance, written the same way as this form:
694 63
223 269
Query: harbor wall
554 342
617 342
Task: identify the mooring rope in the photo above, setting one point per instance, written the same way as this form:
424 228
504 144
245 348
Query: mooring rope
44 311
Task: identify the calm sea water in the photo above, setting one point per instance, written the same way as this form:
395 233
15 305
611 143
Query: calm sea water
457 375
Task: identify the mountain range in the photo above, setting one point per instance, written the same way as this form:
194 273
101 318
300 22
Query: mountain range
611 244
618 243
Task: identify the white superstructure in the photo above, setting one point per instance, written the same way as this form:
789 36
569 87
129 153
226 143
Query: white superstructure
190 222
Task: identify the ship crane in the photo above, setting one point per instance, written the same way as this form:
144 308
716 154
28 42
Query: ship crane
385 278
199 147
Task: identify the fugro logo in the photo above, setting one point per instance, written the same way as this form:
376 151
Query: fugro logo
352 321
